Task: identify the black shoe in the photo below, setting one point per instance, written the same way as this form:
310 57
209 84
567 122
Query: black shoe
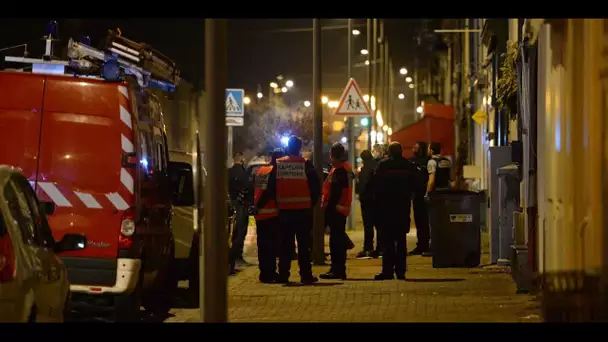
382 276
375 254
401 277
363 255
269 279
332 275
309 280
282 279
415 251
427 254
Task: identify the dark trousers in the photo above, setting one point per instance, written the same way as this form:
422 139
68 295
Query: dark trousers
298 224
367 211
394 235
267 231
239 232
421 218
337 242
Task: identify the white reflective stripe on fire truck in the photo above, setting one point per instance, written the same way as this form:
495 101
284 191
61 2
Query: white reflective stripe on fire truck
127 145
126 179
118 202
125 116
51 190
123 90
88 200
33 184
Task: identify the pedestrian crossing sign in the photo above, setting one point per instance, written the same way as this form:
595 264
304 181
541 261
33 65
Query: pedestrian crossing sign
234 102
352 102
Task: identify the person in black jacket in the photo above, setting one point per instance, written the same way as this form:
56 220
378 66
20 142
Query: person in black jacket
237 184
421 211
366 200
393 190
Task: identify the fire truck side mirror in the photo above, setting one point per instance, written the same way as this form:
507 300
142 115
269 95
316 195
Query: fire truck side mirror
182 184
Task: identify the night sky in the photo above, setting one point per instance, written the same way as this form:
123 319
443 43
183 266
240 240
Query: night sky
259 49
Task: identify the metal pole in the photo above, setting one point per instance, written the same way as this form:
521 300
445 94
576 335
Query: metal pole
214 298
380 87
374 66
351 126
229 152
385 93
369 79
318 246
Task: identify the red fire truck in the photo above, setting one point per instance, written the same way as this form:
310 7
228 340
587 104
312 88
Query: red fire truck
90 138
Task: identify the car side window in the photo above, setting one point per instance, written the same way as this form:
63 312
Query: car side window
21 213
43 231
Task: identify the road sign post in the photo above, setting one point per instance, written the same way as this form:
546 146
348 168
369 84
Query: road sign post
235 116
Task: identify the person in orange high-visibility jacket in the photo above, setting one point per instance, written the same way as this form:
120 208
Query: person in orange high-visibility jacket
266 216
336 202
298 189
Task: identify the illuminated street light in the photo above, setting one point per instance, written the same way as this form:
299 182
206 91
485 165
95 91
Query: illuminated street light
289 83
306 103
385 128
280 77
324 100
419 110
366 98
260 95
379 118
401 96
408 79
373 102
344 140
367 62
274 85
333 104
390 131
411 85
284 89
246 100
364 52
403 71
356 32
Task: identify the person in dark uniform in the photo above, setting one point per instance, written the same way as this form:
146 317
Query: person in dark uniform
439 168
297 192
336 205
266 218
380 152
421 211
237 184
393 189
366 200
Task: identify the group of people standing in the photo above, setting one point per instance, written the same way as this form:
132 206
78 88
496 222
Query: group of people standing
286 190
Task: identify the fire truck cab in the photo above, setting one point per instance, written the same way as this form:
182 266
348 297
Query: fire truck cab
96 148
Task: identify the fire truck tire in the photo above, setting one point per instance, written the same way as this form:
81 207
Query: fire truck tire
159 300
193 275
127 307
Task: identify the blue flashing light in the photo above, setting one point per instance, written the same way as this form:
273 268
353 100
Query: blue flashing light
144 162
364 122
284 141
86 40
51 29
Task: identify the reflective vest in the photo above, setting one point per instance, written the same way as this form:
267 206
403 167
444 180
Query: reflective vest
261 184
442 172
292 183
346 198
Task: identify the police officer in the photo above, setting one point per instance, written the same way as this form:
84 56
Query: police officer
439 168
421 211
297 192
266 218
393 189
336 203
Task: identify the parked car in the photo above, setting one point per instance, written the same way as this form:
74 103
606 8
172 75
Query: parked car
33 280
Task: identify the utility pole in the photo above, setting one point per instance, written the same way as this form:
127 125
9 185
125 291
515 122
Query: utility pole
386 93
380 96
369 80
351 124
214 298
318 245
373 65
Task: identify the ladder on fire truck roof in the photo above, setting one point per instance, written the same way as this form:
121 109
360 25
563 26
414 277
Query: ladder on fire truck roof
148 66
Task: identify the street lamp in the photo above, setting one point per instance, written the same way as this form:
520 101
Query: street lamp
274 85
367 62
411 85
403 71
401 96
366 98
246 100
356 32
364 52
306 103
408 79
385 128
260 95
284 89
419 110
289 83
324 99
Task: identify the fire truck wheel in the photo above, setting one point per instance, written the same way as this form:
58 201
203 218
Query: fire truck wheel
159 300
127 307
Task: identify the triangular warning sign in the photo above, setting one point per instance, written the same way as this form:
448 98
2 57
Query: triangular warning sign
352 102
231 105
480 116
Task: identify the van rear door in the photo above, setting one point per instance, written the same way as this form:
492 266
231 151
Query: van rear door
86 127
20 112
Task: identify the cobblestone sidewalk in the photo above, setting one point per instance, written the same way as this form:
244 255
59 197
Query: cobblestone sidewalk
483 294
